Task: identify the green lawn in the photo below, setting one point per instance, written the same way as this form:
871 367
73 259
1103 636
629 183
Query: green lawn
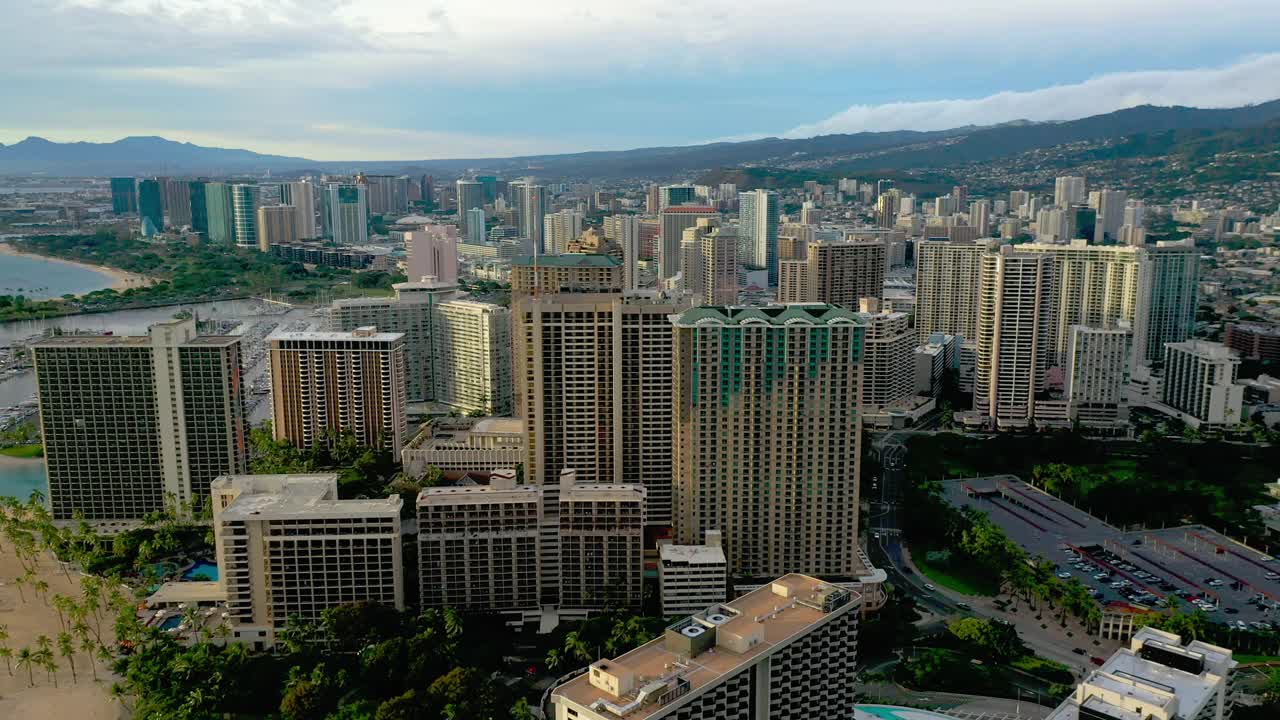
959 579
24 451
1247 659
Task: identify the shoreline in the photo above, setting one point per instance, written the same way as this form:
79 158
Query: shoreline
121 279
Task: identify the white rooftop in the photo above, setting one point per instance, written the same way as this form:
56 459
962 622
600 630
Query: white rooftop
692 554
283 496
320 336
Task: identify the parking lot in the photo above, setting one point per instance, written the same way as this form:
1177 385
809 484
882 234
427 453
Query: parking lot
1231 582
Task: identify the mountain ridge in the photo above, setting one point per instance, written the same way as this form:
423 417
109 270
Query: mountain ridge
853 152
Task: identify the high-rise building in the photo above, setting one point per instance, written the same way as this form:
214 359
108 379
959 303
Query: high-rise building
302 196
1170 283
1111 210
150 208
560 229
124 195
601 545
388 194
288 547
1097 373
625 231
176 198
592 375
476 227
533 208
718 251
470 197
692 578
675 220
947 279
1200 383
130 420
837 272
479 546
675 195
432 253
411 313
1014 334
338 381
980 216
574 273
244 214
427 188
888 360
758 228
277 224
474 345
768 427
1156 678
344 210
748 659
199 207
1067 190
222 227
1254 341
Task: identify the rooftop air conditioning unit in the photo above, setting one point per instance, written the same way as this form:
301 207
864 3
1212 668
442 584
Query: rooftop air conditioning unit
717 619
692 631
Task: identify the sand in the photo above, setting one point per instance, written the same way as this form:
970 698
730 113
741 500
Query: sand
82 700
122 280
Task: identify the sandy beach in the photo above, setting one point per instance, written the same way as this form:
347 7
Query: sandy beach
122 280
83 699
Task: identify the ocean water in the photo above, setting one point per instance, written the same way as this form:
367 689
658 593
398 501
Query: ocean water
43 279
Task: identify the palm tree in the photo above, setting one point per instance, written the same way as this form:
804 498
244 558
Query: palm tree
27 659
90 648
6 652
67 649
50 665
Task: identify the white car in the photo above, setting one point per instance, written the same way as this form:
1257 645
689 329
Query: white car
929 587
1273 576
1064 575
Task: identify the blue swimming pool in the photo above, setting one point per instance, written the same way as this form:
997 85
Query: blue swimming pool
202 567
171 622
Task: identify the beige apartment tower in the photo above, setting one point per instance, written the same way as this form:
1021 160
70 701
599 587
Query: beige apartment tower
1015 335
784 651
601 545
947 277
286 545
839 273
338 381
593 383
130 422
277 224
888 364
768 428
552 274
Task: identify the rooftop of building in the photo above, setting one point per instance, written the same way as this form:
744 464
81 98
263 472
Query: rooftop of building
266 497
1257 328
1205 349
128 340
771 614
359 334
455 494
807 313
598 492
686 209
692 554
578 260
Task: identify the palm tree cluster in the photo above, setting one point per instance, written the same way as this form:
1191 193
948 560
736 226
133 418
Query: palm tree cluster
27 530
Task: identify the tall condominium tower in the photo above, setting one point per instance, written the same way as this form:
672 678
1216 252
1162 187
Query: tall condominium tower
244 214
888 363
768 428
129 421
1111 206
592 375
287 546
277 224
199 207
302 196
601 544
784 650
338 381
1015 334
1068 190
709 262
533 208
176 199
947 279
625 231
675 220
150 207
344 212
219 213
432 252
1097 373
470 197
758 228
388 194
124 195
1200 383
840 273
559 229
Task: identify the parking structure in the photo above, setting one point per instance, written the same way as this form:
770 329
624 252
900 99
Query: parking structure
1233 583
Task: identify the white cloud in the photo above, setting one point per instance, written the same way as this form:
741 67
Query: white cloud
1253 80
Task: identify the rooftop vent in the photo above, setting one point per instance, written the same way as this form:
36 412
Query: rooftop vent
692 631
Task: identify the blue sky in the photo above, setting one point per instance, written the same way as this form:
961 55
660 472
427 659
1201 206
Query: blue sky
384 79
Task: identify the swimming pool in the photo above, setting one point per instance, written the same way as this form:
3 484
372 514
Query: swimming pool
171 622
202 567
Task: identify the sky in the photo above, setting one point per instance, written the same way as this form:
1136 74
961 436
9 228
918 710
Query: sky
391 80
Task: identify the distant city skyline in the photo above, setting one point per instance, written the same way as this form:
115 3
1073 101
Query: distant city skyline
374 80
